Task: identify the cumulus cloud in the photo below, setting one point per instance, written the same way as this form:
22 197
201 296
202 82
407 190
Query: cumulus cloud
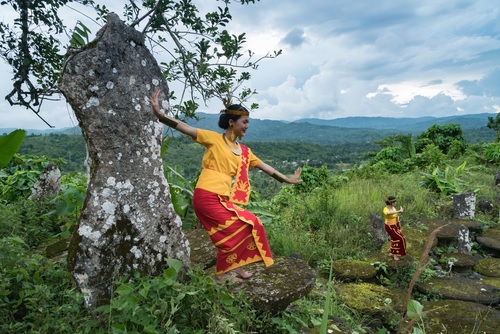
343 58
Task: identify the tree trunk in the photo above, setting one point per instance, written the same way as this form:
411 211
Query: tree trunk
127 222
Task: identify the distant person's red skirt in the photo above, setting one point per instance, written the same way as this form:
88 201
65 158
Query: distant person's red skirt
237 233
398 241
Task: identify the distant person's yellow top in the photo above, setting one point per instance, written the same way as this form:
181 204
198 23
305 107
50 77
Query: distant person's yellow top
390 219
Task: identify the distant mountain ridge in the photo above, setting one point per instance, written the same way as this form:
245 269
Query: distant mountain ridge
334 131
420 124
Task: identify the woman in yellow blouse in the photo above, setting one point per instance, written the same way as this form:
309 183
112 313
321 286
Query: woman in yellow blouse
238 234
393 228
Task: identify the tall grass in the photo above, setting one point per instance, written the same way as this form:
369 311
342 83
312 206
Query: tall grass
335 220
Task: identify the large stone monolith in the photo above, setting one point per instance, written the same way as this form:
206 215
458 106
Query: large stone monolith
127 222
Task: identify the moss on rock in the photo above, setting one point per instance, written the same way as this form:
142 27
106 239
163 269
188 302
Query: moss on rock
459 288
353 269
370 298
454 316
489 267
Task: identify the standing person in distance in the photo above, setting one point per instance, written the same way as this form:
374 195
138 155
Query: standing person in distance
238 234
393 228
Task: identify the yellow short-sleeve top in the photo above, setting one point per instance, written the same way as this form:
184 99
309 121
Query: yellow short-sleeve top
219 164
391 219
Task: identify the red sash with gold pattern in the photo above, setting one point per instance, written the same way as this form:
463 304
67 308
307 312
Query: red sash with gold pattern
240 192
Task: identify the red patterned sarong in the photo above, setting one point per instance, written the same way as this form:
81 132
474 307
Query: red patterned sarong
398 241
238 234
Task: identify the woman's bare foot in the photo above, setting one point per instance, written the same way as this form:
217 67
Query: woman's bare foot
227 277
396 258
242 273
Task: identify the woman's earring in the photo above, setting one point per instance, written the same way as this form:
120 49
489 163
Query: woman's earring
233 136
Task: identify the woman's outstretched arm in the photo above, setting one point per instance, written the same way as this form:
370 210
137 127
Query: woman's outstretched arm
294 179
170 121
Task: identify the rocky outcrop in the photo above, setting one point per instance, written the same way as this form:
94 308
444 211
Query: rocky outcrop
469 285
464 205
459 288
270 289
48 183
377 231
274 288
127 222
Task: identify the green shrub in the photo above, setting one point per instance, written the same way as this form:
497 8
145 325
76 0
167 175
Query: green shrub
36 294
29 220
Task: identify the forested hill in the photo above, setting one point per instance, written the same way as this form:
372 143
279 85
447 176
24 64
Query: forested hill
353 129
336 131
413 125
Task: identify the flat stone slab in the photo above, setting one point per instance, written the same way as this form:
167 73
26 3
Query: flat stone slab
346 269
270 289
455 316
493 281
489 266
275 287
490 238
451 227
382 259
371 299
460 288
462 260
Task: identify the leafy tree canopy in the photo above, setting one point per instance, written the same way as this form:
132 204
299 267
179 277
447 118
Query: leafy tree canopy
494 124
196 51
443 136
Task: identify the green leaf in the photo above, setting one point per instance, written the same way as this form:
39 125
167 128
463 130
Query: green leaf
176 264
9 145
414 309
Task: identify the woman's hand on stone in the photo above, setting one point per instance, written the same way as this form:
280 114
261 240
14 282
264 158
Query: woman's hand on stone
156 104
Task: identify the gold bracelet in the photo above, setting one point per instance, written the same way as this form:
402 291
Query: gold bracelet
278 176
168 121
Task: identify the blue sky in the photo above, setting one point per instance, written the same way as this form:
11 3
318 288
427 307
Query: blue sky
351 58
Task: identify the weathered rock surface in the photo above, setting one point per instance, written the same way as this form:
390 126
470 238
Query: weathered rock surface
346 269
485 205
464 205
275 287
270 289
454 316
377 231
459 288
463 261
203 251
371 298
451 228
490 238
48 183
493 281
489 267
127 222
